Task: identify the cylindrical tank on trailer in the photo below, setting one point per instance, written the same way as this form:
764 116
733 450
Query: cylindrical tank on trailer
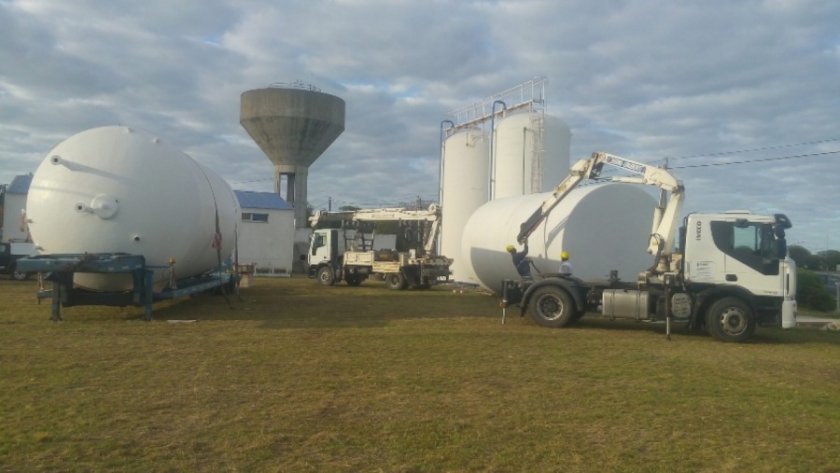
531 154
464 189
603 227
119 190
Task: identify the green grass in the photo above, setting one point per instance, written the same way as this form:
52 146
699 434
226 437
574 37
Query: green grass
305 378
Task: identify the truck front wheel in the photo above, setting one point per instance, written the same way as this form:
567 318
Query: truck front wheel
396 281
552 307
730 320
326 276
19 275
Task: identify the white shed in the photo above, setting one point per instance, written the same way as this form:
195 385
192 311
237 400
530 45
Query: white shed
266 233
14 228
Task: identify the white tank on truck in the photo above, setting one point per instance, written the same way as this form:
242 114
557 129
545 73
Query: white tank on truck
600 225
120 190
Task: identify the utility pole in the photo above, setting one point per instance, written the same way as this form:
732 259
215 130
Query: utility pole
329 204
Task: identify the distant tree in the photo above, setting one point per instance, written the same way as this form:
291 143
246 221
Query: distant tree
349 208
811 293
799 254
831 258
310 211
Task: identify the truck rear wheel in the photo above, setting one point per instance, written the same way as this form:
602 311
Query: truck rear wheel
552 307
395 281
730 320
326 276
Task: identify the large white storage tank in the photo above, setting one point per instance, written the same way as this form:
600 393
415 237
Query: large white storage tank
603 227
531 154
118 190
464 189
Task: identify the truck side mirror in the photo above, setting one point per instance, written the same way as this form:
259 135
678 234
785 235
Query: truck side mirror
303 257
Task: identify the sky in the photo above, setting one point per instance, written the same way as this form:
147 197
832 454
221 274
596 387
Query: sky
706 85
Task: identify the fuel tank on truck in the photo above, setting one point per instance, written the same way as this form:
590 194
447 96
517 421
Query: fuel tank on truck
120 190
602 227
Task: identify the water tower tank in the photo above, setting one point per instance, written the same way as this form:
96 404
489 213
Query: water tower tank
464 189
292 126
531 154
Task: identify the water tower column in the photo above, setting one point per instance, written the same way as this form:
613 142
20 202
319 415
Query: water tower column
290 184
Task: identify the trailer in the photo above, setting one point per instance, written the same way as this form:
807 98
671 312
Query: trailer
60 269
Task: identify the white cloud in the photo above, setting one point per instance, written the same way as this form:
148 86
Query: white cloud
644 79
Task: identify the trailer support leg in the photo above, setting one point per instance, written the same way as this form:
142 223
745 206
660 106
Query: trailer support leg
667 282
148 288
56 300
504 300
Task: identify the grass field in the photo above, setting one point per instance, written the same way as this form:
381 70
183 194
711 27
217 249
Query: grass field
304 378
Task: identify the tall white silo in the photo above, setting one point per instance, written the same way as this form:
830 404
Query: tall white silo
531 154
464 189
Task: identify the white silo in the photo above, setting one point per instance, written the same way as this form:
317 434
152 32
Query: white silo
603 227
464 189
531 154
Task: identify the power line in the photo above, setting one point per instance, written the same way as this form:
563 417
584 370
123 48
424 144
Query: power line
781 158
255 180
724 153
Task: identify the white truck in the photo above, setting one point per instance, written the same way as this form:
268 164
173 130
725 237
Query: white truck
345 253
729 274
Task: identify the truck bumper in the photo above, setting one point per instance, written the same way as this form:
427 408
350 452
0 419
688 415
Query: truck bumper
789 314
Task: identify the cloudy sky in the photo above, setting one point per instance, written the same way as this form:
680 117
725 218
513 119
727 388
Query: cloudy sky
701 83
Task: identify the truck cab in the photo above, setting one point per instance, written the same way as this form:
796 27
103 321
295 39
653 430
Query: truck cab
324 249
12 251
742 255
738 249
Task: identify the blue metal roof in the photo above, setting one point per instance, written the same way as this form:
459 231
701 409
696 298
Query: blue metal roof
20 184
261 200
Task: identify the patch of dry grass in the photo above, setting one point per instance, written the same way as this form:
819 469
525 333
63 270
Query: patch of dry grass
305 378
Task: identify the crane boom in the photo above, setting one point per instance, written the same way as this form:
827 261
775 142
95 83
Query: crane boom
666 214
393 214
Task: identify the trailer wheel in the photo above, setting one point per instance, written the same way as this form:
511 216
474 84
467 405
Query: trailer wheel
353 280
552 307
730 320
395 281
326 276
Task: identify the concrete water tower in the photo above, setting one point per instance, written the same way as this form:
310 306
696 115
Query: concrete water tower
293 124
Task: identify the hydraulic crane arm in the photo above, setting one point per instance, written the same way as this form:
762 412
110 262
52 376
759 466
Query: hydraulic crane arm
667 212
395 214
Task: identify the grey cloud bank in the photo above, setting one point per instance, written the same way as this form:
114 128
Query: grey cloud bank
643 79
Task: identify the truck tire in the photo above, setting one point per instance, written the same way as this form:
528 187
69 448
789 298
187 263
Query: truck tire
395 281
326 276
552 307
730 320
18 275
352 280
